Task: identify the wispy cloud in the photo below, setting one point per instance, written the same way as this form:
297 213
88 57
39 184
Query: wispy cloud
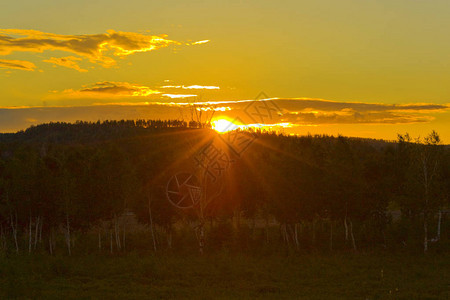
319 111
200 42
70 62
108 89
307 112
191 87
179 96
296 112
17 64
97 48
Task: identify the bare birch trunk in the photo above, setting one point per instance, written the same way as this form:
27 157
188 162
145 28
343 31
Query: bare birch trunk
29 236
286 234
36 232
384 239
68 235
169 237
239 218
157 236
14 231
40 230
346 229
100 240
50 244
201 240
352 236
124 234
2 237
253 226
331 235
289 233
116 233
438 234
425 235
151 222
111 240
296 236
53 240
314 233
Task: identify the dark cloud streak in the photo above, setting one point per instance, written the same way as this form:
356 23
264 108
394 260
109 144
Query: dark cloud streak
17 65
295 111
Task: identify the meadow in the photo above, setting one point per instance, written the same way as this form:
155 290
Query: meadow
226 276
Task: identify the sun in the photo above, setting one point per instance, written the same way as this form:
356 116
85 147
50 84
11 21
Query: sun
223 125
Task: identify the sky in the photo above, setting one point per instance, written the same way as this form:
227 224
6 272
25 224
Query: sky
351 67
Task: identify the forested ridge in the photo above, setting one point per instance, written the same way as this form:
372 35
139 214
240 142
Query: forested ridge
88 187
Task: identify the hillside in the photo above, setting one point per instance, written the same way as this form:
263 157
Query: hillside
321 192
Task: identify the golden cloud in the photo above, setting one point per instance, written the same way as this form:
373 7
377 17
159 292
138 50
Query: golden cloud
179 96
314 114
320 111
94 47
200 42
17 64
212 108
354 117
107 89
191 87
296 111
68 62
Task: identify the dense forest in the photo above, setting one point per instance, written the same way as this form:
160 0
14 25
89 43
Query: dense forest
102 187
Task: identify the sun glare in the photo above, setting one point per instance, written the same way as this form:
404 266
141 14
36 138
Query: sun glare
223 125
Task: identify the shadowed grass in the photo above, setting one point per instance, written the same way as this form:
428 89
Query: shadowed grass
224 276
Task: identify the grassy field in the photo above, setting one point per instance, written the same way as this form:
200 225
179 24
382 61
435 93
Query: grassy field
226 276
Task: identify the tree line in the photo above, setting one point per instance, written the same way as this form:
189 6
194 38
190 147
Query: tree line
67 185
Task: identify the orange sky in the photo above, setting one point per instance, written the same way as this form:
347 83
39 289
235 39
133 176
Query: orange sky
358 68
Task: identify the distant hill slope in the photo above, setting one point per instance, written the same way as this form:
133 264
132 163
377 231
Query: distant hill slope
61 132
85 132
